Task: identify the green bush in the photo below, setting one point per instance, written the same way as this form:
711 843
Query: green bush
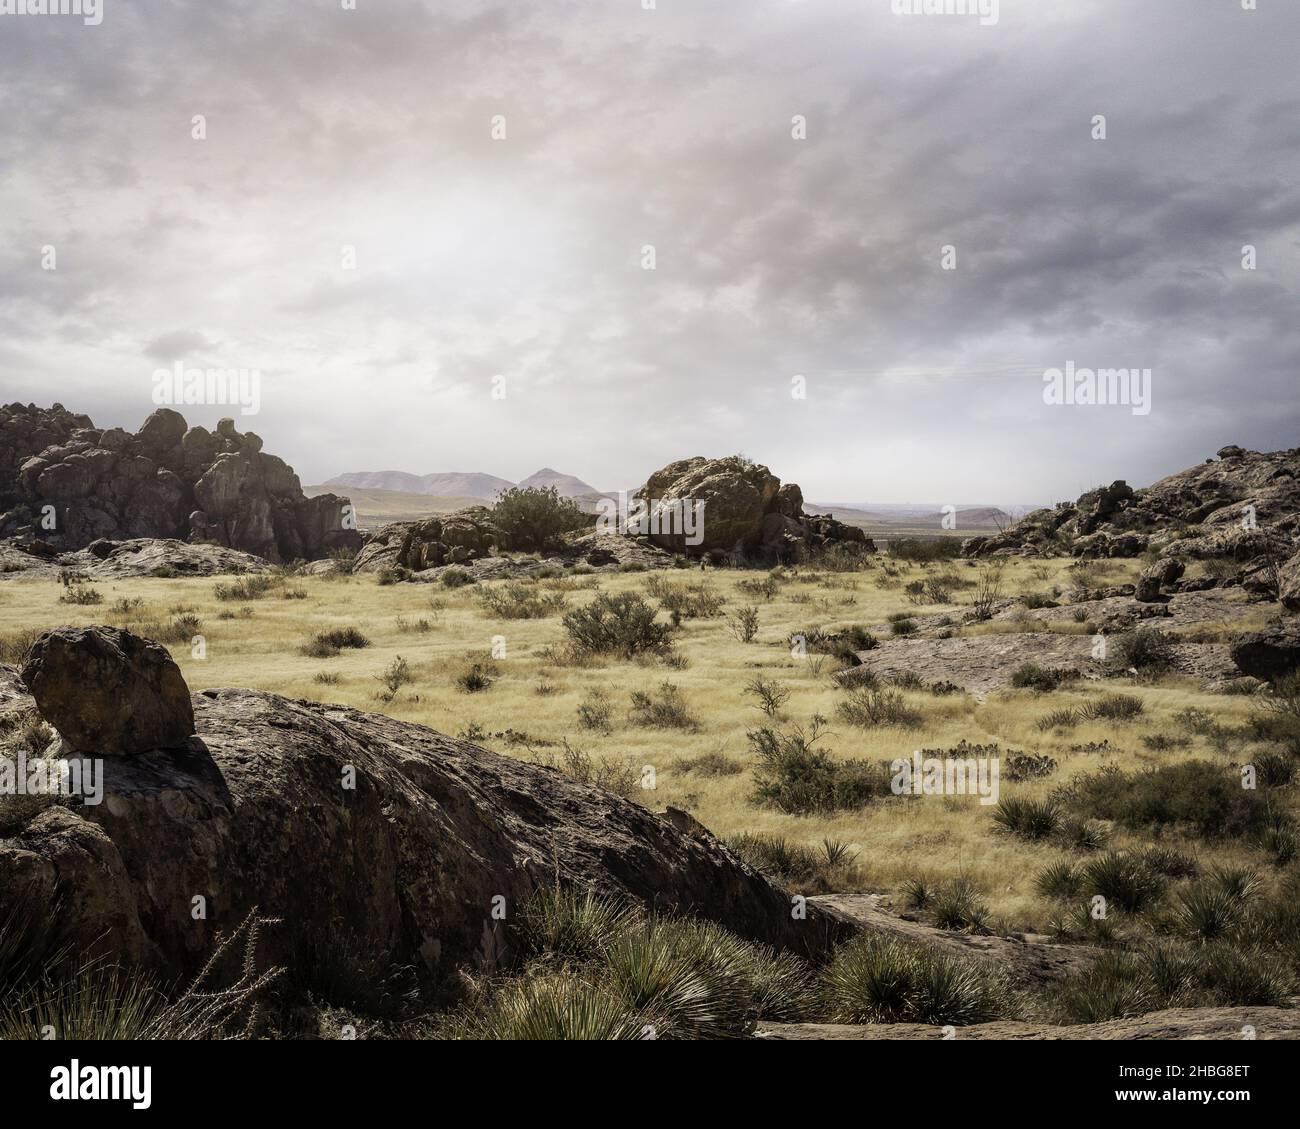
624 624
798 779
533 520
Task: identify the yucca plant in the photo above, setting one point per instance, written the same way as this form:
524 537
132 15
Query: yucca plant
879 979
571 925
689 978
1206 912
1060 880
559 1006
1113 987
1123 880
1026 818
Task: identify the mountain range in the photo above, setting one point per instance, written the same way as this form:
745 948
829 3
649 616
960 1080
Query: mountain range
460 484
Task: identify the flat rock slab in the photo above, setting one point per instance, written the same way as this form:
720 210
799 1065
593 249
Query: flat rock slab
983 663
1177 1023
143 556
1033 960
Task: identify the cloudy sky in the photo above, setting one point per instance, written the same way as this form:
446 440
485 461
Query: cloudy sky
776 256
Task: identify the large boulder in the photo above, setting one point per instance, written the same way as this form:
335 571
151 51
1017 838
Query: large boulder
386 836
165 481
743 511
465 535
1268 655
107 691
1155 578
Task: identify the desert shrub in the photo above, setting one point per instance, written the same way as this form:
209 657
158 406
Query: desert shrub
804 868
568 924
455 578
769 694
957 905
1205 797
767 588
744 624
662 709
476 677
694 980
595 711
1082 834
868 708
1123 880
14 646
1036 601
879 979
796 778
536 519
1170 862
246 588
903 626
623 624
1163 975
326 644
1164 742
614 774
327 678
988 592
1019 767
1142 649
1041 679
1061 881
1058 719
519 601
393 677
558 1006
1206 912
1112 707
711 764
80 593
1027 818
688 601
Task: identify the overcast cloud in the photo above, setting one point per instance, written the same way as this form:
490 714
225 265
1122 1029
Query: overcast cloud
776 257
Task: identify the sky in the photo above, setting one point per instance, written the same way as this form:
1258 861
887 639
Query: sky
425 227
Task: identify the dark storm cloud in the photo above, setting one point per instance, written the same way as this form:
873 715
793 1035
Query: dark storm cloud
329 129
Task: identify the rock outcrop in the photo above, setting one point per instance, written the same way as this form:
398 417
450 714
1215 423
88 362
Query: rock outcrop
165 481
746 512
1242 505
108 692
1268 655
120 560
375 833
467 535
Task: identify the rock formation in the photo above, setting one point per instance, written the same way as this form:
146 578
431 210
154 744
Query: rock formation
108 692
1243 505
747 512
167 480
373 832
466 535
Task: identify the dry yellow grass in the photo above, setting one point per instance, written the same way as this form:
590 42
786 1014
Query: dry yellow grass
438 631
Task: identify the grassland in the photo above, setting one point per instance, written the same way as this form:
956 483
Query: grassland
531 706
